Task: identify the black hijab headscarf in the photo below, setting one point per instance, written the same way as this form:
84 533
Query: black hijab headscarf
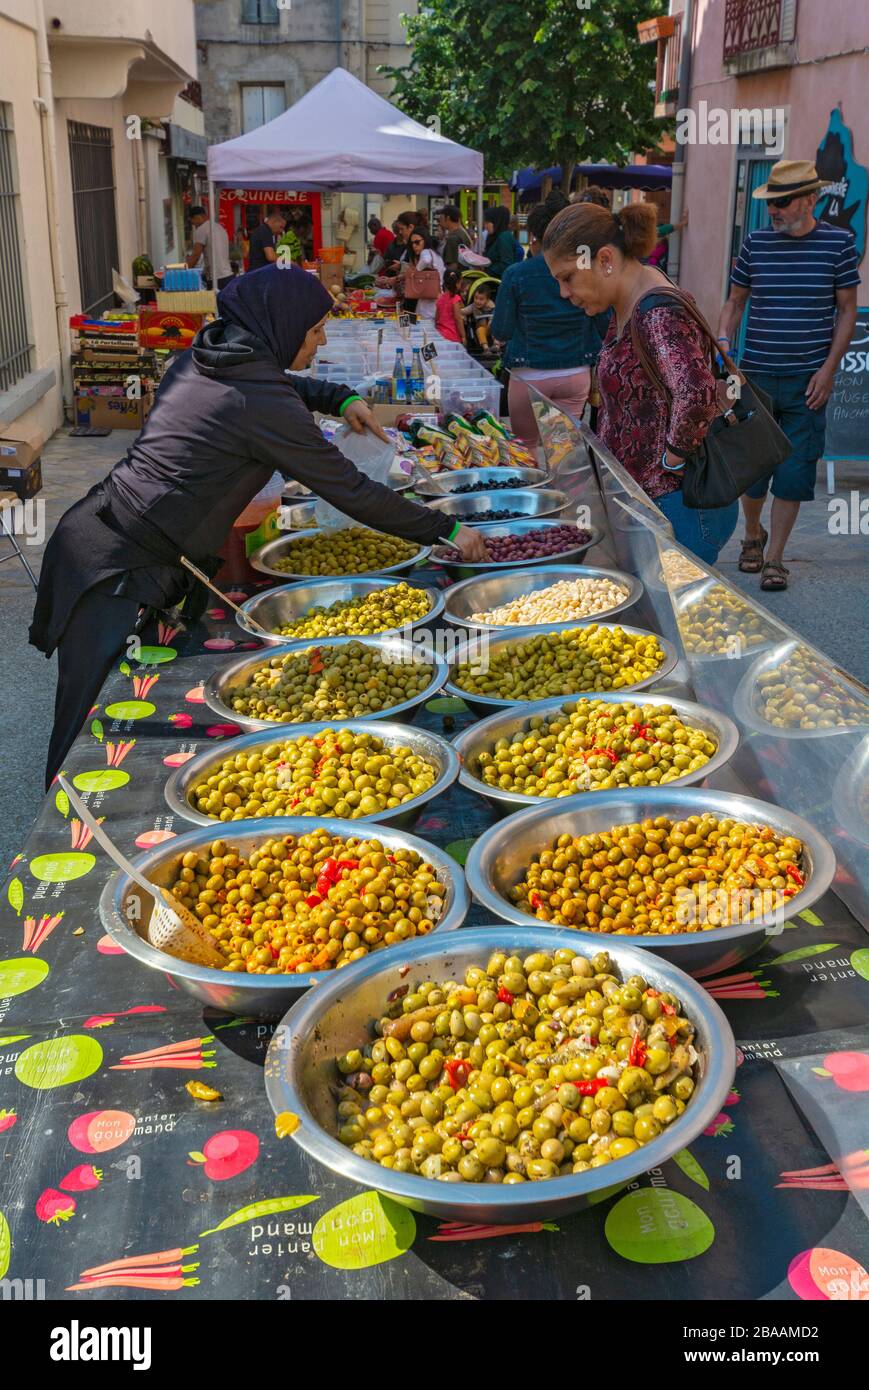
278 305
500 219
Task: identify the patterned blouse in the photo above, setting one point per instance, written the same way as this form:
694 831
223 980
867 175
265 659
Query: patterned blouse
633 417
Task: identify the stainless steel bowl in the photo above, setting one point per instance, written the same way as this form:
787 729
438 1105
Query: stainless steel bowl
224 679
533 502
498 859
300 1070
485 705
480 737
450 479
463 570
432 747
285 604
745 698
264 558
258 996
489 591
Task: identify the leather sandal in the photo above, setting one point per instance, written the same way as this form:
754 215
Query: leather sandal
751 554
774 576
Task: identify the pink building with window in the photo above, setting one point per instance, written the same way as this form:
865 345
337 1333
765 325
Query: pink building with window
787 75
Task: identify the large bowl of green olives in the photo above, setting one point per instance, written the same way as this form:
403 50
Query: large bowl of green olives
343 678
332 552
519 1162
702 877
339 608
267 992
499 671
359 771
558 748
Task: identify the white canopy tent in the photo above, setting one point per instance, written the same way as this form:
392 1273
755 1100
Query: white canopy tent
342 135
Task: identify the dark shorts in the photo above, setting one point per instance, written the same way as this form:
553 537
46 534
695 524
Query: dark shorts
794 479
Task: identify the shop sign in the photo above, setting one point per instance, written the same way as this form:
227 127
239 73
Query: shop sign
843 203
263 195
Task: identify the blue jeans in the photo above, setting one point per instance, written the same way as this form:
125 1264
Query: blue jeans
703 532
794 479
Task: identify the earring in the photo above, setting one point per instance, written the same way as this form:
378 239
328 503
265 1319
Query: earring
609 270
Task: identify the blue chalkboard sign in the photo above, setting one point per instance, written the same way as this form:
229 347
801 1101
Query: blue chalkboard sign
848 407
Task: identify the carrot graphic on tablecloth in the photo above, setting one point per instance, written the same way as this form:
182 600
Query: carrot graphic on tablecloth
183 1056
143 685
162 1272
37 933
81 834
117 752
852 1172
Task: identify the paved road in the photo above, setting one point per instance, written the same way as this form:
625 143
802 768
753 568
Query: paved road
827 604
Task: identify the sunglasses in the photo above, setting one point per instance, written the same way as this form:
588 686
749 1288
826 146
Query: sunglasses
783 202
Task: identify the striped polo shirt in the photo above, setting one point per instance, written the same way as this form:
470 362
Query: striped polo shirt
793 283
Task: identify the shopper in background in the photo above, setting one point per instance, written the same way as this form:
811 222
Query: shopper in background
650 434
399 249
263 241
665 230
519 249
455 235
549 341
593 194
381 240
500 244
202 249
449 320
802 278
423 256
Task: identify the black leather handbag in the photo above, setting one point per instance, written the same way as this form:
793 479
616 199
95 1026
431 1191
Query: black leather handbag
743 443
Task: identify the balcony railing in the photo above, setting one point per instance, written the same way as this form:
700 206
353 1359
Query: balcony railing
751 26
666 32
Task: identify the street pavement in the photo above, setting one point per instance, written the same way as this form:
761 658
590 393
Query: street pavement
826 604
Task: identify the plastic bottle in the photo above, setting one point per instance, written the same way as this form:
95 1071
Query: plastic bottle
417 377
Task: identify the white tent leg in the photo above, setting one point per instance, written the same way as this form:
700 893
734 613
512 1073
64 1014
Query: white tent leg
480 234
211 222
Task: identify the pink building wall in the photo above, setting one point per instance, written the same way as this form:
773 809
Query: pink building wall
818 82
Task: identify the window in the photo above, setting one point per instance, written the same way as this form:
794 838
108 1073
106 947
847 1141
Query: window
93 200
15 345
259 105
759 33
666 32
259 11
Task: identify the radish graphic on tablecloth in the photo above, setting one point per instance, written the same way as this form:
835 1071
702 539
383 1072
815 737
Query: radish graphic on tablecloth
849 1070
227 1154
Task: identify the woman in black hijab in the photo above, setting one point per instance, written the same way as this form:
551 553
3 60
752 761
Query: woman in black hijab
226 416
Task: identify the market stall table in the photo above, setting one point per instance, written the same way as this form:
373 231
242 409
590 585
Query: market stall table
116 1178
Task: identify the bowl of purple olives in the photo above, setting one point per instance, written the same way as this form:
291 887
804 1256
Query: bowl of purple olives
519 543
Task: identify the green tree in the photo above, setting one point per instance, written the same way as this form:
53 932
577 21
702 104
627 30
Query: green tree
536 83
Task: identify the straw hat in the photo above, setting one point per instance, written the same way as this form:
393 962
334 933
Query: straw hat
790 178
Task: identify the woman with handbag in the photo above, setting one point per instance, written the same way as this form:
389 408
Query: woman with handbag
423 274
658 389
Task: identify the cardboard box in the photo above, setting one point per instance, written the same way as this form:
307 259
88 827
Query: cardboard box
20 468
330 275
111 412
168 328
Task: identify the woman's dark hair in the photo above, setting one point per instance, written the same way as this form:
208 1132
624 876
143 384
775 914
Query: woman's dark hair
407 219
425 237
594 194
555 200
451 281
633 230
451 211
539 219
500 219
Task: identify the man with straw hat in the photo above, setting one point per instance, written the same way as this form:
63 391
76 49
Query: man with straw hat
801 276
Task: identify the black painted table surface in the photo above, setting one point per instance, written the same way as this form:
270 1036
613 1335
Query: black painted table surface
115 1183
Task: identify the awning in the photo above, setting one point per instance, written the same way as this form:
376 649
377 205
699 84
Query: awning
648 176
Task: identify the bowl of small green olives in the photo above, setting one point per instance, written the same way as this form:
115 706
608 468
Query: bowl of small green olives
357 771
339 608
497 671
264 991
331 552
343 678
536 1139
700 876
557 748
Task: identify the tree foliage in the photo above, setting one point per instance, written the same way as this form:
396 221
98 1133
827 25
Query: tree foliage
536 83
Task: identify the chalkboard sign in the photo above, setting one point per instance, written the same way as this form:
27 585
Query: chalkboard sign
848 407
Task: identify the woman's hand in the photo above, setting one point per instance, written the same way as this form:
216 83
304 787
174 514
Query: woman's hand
360 417
470 545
